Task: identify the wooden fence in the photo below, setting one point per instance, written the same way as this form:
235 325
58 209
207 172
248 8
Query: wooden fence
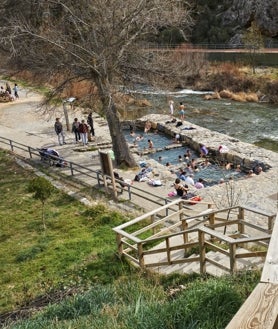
148 241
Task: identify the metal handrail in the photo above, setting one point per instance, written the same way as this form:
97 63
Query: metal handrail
77 168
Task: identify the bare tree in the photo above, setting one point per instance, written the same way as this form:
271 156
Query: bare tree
231 195
253 41
101 41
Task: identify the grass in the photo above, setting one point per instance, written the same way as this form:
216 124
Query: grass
77 245
142 302
70 277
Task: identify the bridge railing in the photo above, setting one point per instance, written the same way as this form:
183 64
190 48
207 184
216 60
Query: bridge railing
224 46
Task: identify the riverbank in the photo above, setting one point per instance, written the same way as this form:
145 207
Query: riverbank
260 82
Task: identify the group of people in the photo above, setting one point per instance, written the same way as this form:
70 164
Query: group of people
182 189
82 131
140 137
7 92
187 177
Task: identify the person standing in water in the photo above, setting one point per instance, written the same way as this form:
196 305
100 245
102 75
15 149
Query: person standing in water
150 144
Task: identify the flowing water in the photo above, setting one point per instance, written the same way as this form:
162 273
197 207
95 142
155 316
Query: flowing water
255 123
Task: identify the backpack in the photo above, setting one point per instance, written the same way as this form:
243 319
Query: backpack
137 178
75 126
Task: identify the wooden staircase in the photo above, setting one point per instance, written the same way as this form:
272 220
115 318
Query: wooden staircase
193 266
169 239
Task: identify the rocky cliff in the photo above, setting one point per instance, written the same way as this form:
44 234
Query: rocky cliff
225 21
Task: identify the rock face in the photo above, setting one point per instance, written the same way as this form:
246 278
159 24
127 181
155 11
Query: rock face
225 21
263 12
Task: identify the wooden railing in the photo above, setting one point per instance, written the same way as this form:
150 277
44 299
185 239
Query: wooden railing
148 241
260 310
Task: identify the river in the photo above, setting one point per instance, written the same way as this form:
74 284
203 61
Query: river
255 123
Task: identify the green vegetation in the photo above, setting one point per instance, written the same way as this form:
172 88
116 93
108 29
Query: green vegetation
69 277
137 302
209 28
78 245
42 190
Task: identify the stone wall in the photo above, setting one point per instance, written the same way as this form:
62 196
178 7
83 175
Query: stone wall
247 155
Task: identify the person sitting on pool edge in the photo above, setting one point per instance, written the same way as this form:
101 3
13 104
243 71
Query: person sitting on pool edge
189 180
148 126
181 174
199 184
203 151
180 188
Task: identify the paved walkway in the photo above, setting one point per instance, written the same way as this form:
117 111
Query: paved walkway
23 122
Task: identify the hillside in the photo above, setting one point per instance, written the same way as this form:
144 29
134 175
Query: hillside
224 21
68 276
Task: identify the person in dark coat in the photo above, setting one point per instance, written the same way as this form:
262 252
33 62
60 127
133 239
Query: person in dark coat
75 130
59 131
83 130
91 123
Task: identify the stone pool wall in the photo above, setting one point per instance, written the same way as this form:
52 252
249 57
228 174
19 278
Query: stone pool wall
247 155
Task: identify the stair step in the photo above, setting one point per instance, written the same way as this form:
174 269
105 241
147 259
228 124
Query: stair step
194 267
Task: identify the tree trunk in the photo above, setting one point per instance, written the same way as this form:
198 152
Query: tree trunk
43 216
121 150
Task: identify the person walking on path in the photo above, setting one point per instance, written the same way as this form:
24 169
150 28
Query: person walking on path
90 122
59 131
83 130
75 130
15 89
